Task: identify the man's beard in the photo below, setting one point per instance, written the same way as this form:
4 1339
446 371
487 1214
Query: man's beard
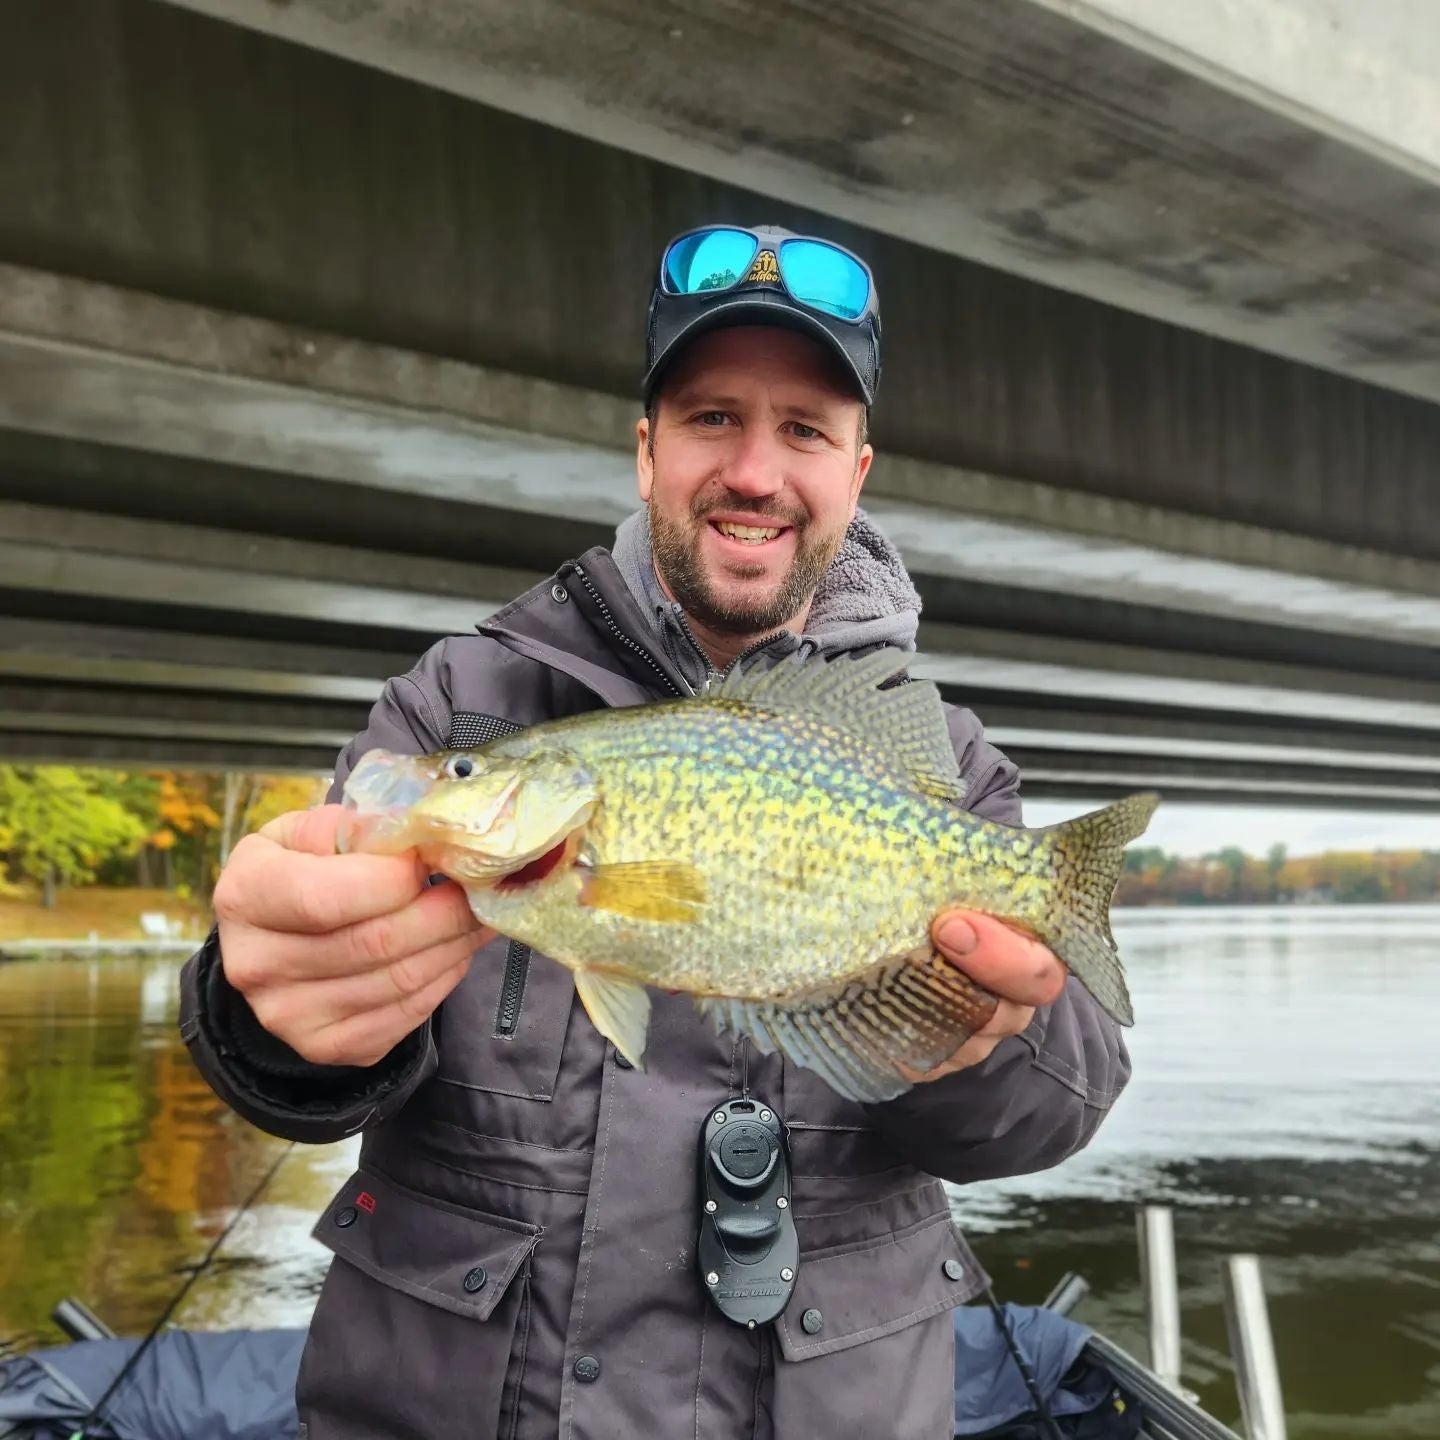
677 558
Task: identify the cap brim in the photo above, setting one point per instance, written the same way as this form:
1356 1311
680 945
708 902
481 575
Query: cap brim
757 307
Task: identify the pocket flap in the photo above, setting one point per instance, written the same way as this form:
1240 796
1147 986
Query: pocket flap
874 1287
450 1257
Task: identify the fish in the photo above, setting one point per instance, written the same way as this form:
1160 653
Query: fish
776 847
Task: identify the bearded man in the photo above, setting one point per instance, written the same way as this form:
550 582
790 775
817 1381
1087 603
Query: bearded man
516 1253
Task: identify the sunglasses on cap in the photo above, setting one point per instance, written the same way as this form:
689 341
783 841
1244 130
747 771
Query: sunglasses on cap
814 273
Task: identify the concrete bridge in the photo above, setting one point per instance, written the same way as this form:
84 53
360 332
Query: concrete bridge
320 327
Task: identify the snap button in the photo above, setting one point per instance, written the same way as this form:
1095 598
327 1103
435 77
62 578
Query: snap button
558 593
587 1368
954 1270
345 1217
812 1322
622 1062
475 1279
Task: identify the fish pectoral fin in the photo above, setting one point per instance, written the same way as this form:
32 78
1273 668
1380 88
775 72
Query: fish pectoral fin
618 1008
662 890
870 1036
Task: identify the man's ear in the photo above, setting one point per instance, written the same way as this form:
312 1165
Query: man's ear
644 459
857 481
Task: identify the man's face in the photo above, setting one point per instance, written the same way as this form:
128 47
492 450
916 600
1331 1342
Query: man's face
753 477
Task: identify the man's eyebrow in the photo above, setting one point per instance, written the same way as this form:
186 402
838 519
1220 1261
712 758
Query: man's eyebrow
689 395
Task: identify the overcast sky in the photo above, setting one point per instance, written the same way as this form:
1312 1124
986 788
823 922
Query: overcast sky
1190 829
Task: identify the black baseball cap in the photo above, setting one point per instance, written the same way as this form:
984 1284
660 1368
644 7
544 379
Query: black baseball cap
722 275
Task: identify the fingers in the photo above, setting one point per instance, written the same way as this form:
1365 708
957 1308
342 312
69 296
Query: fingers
313 831
435 916
270 886
1012 965
367 1037
300 1010
1008 1019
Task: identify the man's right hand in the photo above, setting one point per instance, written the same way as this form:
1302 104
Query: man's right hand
340 956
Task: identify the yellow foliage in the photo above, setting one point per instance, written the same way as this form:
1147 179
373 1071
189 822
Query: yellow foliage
280 794
184 802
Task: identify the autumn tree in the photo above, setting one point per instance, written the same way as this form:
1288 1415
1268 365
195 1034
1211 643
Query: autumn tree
58 824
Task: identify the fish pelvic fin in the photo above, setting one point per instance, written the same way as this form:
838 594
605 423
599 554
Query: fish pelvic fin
873 1036
1088 853
619 1008
904 722
662 890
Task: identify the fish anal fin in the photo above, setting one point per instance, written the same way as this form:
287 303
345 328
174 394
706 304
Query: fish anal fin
870 1038
619 1008
661 890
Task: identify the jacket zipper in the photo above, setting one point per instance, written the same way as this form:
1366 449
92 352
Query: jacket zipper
689 634
624 639
512 988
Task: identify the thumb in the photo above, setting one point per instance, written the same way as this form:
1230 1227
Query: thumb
313 832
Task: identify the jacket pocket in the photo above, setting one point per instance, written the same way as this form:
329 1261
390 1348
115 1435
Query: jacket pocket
420 1326
504 1035
867 1340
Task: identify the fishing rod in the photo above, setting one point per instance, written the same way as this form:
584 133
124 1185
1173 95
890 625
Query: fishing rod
96 1411
1023 1366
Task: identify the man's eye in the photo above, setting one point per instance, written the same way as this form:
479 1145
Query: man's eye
804 432
712 418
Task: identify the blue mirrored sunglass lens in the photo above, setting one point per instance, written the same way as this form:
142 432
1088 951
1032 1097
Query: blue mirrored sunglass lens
711 260
824 277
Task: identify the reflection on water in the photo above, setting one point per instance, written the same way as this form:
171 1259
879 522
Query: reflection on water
118 1166
1286 1101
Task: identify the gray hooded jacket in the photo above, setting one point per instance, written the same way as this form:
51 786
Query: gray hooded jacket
515 1254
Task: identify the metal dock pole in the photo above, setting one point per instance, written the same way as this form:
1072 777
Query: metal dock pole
1257 1377
1162 1291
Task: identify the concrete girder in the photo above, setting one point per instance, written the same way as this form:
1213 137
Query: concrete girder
972 659
120 655
1150 165
86 362
1067 722
162 715
108 556
38 747
1046 774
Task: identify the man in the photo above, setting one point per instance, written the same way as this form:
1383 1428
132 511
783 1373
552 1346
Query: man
516 1254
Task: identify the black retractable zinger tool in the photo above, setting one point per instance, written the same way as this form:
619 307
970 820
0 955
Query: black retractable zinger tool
748 1252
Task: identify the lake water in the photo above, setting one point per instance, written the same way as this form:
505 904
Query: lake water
1286 1101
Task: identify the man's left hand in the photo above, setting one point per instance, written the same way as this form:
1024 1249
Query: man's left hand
1017 968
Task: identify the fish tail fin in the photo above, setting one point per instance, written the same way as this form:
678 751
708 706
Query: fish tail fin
1088 853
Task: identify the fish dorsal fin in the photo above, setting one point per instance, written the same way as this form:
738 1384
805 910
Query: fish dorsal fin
905 723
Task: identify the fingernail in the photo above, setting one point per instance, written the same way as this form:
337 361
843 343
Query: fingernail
957 936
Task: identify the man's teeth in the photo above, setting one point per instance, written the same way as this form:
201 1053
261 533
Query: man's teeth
750 534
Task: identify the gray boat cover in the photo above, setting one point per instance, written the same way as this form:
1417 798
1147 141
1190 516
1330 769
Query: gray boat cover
240 1384
989 1389
189 1385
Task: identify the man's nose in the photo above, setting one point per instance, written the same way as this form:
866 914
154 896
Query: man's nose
756 469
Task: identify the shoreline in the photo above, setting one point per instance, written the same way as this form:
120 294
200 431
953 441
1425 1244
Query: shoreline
85 949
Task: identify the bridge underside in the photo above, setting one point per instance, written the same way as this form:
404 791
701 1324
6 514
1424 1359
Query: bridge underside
297 373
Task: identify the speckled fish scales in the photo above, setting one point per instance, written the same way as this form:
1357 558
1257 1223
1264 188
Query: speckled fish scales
778 849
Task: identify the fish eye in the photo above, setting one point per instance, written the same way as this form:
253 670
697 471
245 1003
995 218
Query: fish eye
459 767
